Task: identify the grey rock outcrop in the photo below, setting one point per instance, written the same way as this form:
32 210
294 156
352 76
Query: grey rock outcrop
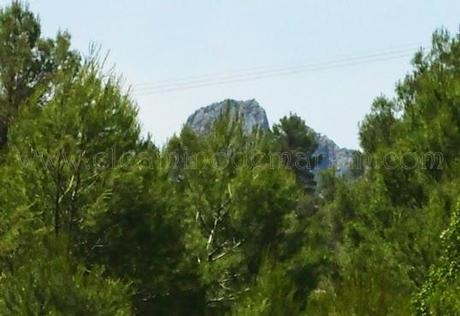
249 112
253 115
332 156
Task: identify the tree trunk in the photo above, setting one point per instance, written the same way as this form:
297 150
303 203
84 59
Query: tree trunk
3 132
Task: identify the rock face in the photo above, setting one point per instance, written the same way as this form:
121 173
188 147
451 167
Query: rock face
249 112
253 115
332 156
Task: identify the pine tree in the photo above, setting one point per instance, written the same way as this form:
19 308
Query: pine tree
297 145
29 61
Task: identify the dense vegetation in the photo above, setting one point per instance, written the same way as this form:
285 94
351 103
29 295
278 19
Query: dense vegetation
96 220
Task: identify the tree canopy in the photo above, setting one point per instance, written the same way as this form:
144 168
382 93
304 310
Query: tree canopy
97 220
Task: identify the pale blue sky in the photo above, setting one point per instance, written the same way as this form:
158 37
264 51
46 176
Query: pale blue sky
152 41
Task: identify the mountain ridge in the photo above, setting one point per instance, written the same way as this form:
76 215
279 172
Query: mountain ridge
253 115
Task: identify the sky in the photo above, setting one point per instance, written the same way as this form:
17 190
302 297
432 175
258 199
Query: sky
159 41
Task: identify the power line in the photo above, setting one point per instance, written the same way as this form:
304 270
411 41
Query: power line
214 82
265 72
259 68
201 79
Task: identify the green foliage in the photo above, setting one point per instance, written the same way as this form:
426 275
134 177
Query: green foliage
142 241
297 143
77 168
95 220
385 226
64 152
47 281
379 127
235 202
271 295
30 63
439 293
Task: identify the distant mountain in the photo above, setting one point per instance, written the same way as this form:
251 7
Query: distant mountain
253 115
332 156
250 113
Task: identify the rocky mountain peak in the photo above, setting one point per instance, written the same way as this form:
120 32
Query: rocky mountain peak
253 115
332 156
249 112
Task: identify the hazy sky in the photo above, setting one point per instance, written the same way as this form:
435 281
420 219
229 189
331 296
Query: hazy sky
155 41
